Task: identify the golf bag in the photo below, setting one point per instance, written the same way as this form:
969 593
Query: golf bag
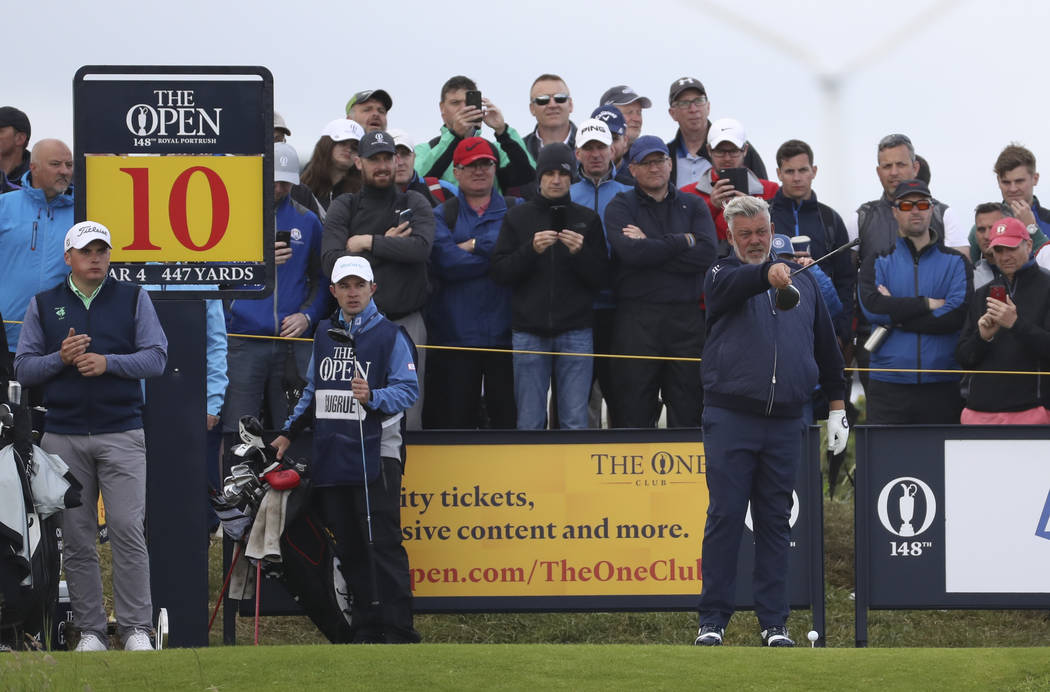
308 567
34 486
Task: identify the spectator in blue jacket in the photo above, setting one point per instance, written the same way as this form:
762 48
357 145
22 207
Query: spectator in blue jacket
595 189
257 367
919 290
467 307
760 366
33 223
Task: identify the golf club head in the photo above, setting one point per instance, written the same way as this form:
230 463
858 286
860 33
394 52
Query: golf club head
249 429
341 336
787 298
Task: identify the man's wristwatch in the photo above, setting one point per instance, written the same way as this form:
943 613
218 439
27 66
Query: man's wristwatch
1032 228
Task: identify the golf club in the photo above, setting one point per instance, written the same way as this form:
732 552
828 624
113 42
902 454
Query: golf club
787 298
364 473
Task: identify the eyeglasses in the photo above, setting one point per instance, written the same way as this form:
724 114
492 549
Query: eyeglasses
653 163
698 101
726 152
544 99
921 205
480 164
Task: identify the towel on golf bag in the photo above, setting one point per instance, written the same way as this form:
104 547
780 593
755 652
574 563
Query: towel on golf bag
264 540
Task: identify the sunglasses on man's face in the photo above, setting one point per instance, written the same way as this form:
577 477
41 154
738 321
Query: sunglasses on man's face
544 99
921 205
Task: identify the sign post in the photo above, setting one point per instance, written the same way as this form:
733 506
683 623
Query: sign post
178 163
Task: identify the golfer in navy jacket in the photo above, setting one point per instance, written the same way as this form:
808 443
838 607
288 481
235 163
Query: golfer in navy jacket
760 366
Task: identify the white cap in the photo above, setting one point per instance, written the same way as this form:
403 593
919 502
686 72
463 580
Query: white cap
726 130
351 266
285 163
342 129
278 124
84 232
593 130
402 139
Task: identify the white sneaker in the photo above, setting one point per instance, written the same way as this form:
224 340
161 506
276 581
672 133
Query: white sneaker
138 640
89 641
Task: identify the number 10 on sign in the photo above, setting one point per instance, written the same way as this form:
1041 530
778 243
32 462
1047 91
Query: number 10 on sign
178 208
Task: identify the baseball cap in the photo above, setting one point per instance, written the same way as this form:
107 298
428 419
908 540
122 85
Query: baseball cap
645 145
278 124
342 129
621 95
470 150
1008 232
351 266
593 130
782 245
613 119
402 139
377 94
12 117
555 157
84 232
285 163
726 130
680 85
376 143
911 187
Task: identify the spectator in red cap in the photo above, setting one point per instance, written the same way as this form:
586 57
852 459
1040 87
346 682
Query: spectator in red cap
468 308
1008 328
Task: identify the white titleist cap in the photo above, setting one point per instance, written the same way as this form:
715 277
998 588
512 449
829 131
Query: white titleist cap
84 232
351 266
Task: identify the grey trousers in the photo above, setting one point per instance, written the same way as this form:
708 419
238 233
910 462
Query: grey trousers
114 463
416 329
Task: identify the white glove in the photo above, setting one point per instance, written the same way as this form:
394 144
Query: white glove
838 431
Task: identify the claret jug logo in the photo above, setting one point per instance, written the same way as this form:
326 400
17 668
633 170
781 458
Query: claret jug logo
906 506
174 117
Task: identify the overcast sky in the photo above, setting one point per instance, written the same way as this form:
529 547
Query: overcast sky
962 79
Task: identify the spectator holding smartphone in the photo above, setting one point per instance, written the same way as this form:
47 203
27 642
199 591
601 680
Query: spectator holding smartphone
728 178
1008 328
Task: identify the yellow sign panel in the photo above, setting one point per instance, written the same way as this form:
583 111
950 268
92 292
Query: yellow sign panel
554 520
178 208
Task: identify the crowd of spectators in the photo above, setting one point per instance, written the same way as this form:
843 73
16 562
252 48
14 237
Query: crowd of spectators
591 240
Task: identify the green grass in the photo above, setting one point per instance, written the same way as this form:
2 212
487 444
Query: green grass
539 666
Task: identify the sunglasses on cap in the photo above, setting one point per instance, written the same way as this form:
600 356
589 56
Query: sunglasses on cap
921 205
544 99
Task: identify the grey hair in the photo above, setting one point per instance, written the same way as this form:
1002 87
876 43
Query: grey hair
897 140
747 206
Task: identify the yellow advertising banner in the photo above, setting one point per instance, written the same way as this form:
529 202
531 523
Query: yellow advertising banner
595 519
178 208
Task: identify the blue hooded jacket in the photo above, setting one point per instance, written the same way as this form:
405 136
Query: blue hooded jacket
32 235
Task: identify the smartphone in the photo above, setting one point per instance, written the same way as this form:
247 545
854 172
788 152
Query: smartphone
474 99
403 216
737 176
558 217
283 237
997 292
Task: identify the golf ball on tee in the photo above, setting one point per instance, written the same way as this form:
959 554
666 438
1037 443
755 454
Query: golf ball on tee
812 636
